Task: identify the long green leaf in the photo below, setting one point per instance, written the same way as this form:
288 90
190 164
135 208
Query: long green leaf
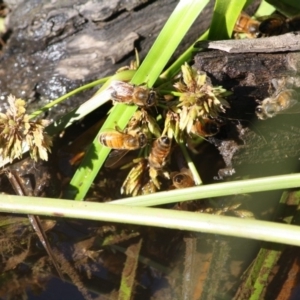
215 190
225 15
264 9
166 218
168 40
175 68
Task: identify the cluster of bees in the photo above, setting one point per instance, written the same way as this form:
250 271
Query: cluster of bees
286 96
136 136
193 113
157 123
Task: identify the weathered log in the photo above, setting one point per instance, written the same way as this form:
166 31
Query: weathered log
54 47
285 42
272 143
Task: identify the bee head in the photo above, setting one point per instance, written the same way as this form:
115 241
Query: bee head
151 98
267 109
260 112
211 128
165 140
178 178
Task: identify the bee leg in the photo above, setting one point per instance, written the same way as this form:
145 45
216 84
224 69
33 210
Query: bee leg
118 128
225 172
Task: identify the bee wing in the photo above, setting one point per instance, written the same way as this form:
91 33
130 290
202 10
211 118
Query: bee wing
114 157
121 90
294 108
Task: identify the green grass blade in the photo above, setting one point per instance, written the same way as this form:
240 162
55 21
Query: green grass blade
190 164
66 96
264 9
225 15
175 68
168 40
166 218
215 190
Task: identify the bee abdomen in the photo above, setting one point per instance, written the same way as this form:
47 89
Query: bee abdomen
113 140
103 140
159 152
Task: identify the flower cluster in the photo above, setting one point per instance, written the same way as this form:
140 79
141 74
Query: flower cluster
17 131
198 99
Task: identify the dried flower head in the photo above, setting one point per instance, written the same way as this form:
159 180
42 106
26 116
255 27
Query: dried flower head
136 179
198 99
16 130
141 121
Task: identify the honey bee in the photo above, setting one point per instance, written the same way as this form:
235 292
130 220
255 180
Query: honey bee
127 93
159 152
182 180
205 127
122 141
245 24
276 104
277 24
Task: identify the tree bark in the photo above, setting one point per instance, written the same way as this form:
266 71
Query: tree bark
247 144
54 47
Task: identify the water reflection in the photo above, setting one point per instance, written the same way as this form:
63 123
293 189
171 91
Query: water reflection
104 261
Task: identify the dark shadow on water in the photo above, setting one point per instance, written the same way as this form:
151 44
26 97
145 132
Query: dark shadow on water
57 290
